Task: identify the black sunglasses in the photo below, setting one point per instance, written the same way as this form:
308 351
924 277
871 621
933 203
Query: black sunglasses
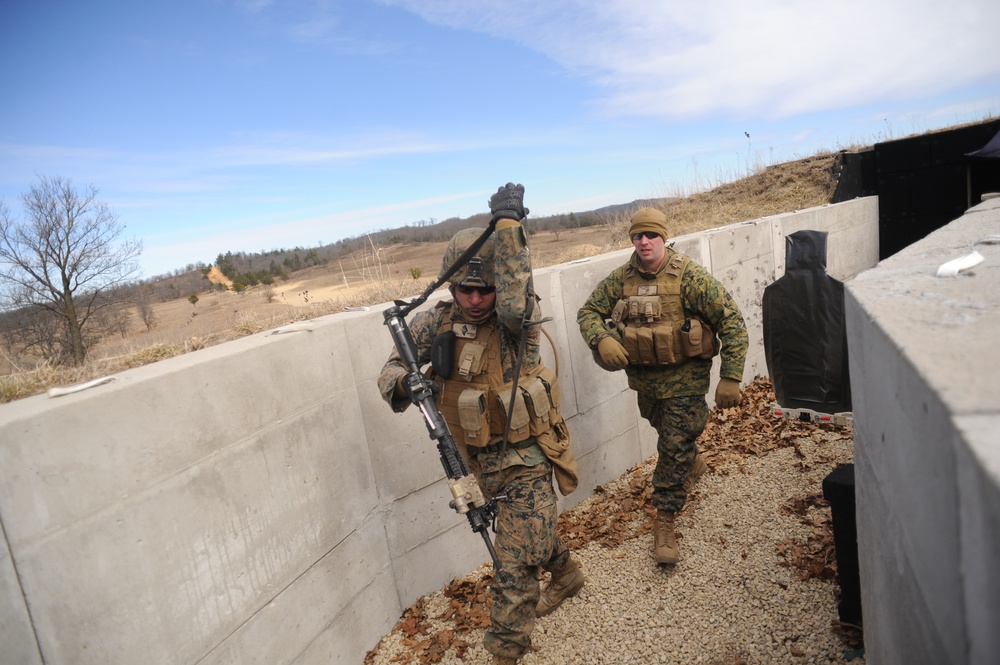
483 290
649 235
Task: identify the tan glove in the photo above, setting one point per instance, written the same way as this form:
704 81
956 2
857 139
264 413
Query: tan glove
727 393
612 352
506 223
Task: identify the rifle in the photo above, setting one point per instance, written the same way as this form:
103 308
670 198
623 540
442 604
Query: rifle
467 496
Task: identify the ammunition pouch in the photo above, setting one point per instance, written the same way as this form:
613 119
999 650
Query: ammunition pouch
472 417
520 419
665 343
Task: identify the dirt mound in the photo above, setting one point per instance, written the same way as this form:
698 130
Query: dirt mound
215 276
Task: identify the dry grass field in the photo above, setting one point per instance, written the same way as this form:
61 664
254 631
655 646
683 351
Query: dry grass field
358 280
380 274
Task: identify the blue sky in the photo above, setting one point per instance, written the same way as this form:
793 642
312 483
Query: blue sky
247 125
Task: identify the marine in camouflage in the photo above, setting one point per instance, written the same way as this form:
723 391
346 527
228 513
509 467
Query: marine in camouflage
672 398
526 538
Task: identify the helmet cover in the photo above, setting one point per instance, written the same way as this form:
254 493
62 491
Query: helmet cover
478 271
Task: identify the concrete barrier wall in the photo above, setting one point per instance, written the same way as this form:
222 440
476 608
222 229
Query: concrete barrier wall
257 502
924 376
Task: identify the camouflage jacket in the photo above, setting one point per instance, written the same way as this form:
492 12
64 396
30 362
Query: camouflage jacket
701 294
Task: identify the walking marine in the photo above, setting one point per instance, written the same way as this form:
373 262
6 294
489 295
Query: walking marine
662 317
502 406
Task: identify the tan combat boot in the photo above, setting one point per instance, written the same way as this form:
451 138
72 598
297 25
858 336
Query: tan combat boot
664 541
697 470
564 584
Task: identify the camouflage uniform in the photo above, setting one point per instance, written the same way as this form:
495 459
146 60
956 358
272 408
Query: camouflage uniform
526 536
672 398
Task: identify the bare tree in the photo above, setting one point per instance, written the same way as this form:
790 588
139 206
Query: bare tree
66 257
144 297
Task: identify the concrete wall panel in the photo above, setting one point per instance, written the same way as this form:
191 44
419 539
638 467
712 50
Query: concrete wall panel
419 517
697 246
978 471
604 464
896 631
336 589
548 285
166 571
431 565
606 421
349 634
927 472
404 456
64 461
739 243
368 342
16 634
591 385
745 275
912 463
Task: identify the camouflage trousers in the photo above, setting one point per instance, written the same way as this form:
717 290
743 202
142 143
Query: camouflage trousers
526 540
678 421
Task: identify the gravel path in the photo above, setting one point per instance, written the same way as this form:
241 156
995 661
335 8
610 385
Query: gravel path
732 600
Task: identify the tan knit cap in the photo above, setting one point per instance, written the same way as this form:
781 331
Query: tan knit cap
648 219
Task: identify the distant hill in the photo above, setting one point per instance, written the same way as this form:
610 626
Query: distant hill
766 191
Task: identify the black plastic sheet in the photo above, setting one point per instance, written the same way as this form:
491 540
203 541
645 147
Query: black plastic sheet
805 331
989 151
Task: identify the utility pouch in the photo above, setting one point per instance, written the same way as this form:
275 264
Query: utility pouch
644 308
698 340
470 359
472 417
620 311
557 447
443 354
539 407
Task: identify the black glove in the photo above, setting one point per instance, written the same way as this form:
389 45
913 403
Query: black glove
508 203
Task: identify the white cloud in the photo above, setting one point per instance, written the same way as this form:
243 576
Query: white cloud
770 58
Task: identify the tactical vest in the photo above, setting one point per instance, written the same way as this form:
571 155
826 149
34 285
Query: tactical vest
651 321
474 399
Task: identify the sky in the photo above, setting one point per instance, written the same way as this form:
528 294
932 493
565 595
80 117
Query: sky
210 126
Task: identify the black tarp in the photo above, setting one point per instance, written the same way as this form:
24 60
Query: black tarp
989 151
805 330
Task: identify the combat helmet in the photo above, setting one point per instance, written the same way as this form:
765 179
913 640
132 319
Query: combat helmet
478 271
